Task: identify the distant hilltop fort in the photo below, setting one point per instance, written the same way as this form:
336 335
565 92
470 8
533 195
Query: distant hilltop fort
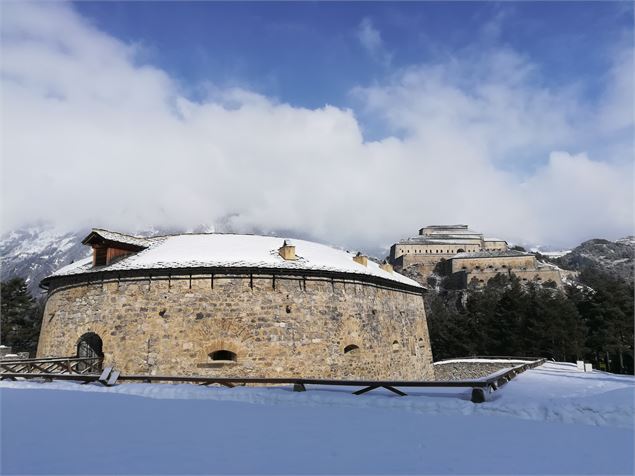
466 256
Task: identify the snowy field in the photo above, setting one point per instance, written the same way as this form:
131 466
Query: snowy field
550 420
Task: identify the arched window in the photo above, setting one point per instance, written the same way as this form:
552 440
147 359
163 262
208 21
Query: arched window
90 345
351 349
420 343
395 346
223 356
460 250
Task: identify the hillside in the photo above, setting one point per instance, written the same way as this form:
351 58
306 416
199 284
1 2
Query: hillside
550 420
613 257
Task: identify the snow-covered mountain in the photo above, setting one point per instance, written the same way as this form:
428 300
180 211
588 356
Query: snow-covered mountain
36 251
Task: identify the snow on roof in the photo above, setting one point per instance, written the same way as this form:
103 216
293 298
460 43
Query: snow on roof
448 229
120 237
424 240
494 239
235 251
491 254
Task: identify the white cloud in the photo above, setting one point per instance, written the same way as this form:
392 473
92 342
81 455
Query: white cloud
90 137
370 39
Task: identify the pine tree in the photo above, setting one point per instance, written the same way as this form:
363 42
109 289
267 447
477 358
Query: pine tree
20 326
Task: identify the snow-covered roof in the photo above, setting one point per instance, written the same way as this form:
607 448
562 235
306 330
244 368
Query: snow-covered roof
491 254
445 240
447 229
119 237
215 250
448 234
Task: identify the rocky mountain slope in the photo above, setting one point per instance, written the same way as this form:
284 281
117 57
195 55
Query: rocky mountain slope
614 257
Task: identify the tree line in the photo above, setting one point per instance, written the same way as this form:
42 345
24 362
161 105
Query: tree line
20 316
591 321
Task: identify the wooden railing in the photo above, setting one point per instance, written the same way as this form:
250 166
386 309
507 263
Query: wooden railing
57 365
481 388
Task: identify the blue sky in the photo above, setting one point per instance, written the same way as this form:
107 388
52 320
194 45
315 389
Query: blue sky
307 53
349 123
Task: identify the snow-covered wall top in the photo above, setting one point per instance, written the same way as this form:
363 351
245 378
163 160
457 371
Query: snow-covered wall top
235 251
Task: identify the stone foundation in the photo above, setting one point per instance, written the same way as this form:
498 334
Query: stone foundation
468 370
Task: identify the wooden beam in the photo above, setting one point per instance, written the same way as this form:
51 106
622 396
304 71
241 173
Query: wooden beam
367 389
394 390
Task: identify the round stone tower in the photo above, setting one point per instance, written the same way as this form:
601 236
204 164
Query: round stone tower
236 305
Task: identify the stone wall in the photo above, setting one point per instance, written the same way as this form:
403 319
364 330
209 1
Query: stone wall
538 275
438 250
423 265
496 245
293 327
494 263
468 370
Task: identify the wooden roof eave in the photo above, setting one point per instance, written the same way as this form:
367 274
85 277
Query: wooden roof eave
95 238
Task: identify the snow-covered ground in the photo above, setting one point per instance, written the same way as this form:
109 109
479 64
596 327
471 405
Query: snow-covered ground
553 419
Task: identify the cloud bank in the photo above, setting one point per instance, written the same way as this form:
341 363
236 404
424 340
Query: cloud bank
93 137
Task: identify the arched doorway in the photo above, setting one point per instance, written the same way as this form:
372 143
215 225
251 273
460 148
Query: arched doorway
90 345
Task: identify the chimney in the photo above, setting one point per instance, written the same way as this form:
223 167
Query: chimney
287 251
386 266
361 259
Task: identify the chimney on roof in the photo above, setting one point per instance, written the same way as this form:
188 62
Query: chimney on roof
386 266
287 251
361 259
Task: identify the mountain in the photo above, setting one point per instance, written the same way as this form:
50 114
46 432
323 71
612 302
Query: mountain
614 257
36 251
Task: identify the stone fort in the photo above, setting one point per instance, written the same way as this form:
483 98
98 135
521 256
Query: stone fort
466 256
236 305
